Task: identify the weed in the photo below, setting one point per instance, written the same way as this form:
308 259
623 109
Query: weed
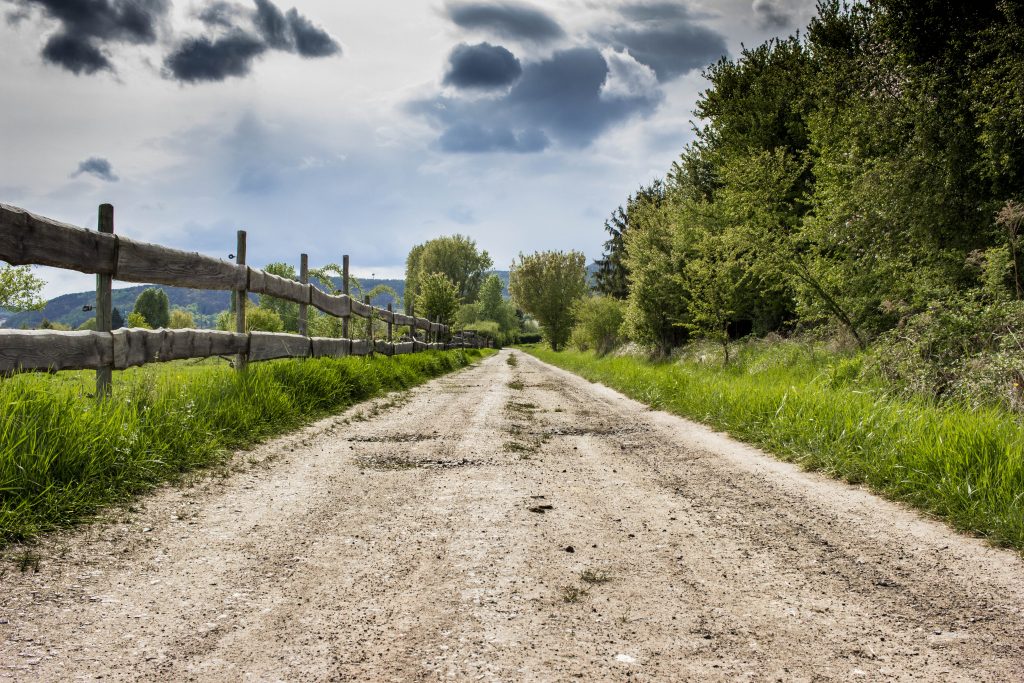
512 360
573 594
28 560
595 577
515 385
517 447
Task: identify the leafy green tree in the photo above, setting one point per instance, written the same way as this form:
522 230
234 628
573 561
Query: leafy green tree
20 289
439 298
181 320
491 298
116 319
89 324
154 308
612 276
137 320
457 257
257 319
287 311
598 323
545 285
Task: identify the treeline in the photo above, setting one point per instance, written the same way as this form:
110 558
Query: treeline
861 179
852 178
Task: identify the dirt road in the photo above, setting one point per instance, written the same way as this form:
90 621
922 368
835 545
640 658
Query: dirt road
512 523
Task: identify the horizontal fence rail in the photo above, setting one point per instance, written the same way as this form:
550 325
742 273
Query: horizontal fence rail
29 239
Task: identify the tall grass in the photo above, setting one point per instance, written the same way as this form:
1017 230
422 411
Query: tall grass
805 405
63 455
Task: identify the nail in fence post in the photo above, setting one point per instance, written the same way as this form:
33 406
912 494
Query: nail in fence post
241 297
104 310
303 310
344 290
390 323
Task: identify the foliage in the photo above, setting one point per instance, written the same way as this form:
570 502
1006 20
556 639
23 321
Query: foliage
287 311
456 257
545 285
323 325
612 276
804 404
20 289
116 319
257 319
89 324
181 320
598 323
438 298
64 455
154 308
137 320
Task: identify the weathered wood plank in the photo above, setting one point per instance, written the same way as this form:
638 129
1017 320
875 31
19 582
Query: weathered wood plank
269 345
422 324
361 309
178 344
338 306
402 319
384 347
360 347
142 262
136 346
325 347
402 348
385 315
419 345
28 239
284 288
28 350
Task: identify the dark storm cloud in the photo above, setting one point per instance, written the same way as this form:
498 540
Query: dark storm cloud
666 37
272 25
97 167
771 14
249 34
559 99
518 21
204 59
86 25
311 40
482 66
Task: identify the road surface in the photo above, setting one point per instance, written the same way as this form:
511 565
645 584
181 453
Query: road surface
513 523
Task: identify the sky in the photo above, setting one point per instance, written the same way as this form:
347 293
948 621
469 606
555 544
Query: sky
334 126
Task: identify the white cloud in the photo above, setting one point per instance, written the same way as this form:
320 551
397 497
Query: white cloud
627 78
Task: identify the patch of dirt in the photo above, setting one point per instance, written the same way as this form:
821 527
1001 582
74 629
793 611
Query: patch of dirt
402 541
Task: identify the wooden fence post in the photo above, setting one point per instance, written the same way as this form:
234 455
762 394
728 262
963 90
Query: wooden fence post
369 324
344 290
241 297
104 306
391 321
303 309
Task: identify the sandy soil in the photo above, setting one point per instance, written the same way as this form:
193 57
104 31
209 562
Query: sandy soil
475 530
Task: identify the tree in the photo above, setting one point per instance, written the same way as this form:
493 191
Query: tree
612 274
181 320
136 319
116 319
439 298
154 308
491 298
545 285
456 257
257 318
598 323
19 289
329 326
287 311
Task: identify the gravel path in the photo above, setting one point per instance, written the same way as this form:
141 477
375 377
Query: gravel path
515 523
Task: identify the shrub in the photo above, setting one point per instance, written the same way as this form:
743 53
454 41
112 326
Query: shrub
598 321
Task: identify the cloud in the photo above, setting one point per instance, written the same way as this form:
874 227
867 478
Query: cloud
245 35
86 25
517 21
771 14
627 78
557 99
665 37
97 167
482 66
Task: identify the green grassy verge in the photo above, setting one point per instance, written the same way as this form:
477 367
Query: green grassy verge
64 455
805 405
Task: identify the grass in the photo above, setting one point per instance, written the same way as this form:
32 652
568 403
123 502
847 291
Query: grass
572 594
595 577
64 456
806 405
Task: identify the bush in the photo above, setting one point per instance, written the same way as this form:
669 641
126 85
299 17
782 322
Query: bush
257 319
598 321
181 320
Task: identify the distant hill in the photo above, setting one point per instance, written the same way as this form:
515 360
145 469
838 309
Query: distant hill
205 305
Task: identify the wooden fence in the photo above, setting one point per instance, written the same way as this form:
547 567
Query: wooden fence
28 239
